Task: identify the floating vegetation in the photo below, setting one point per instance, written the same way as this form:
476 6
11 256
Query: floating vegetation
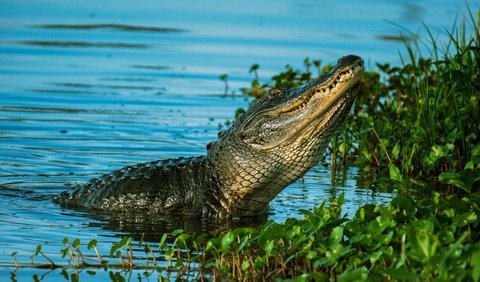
435 238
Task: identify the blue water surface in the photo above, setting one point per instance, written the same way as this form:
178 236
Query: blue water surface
91 86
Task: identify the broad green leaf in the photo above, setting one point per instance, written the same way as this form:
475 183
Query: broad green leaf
465 179
268 248
227 240
360 274
319 276
336 236
396 151
464 219
476 151
243 243
245 265
400 274
312 254
475 263
177 232
395 173
437 152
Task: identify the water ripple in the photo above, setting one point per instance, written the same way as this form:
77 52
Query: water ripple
111 26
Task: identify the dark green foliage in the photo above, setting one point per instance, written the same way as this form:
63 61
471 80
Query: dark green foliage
436 238
405 240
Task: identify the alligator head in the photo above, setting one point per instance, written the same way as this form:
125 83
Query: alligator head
279 138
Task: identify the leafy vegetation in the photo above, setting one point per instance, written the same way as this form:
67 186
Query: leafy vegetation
418 121
420 124
408 239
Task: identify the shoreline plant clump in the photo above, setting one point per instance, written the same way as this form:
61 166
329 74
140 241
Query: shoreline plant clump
416 240
418 123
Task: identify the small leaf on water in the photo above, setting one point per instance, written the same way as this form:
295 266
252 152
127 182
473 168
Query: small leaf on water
140 242
38 249
163 240
65 274
91 244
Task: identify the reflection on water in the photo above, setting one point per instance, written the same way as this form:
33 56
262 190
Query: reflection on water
80 44
86 89
119 27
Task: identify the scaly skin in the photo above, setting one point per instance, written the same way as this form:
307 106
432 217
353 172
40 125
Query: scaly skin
274 143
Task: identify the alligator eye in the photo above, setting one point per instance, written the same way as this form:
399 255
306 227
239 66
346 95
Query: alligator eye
275 92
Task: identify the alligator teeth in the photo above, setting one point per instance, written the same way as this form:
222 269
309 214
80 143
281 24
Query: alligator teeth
326 90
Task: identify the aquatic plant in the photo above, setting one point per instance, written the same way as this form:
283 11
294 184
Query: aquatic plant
409 239
419 122
423 123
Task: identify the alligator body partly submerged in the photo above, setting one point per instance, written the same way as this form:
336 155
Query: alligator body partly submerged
277 140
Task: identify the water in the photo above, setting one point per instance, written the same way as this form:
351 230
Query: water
87 87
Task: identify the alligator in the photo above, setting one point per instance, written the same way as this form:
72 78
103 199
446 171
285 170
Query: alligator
274 143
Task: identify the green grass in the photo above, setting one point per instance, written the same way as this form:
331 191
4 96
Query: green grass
422 123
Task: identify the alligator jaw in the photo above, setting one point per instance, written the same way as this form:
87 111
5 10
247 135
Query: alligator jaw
275 120
327 89
325 99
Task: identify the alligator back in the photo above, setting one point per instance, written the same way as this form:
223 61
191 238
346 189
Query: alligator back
162 186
